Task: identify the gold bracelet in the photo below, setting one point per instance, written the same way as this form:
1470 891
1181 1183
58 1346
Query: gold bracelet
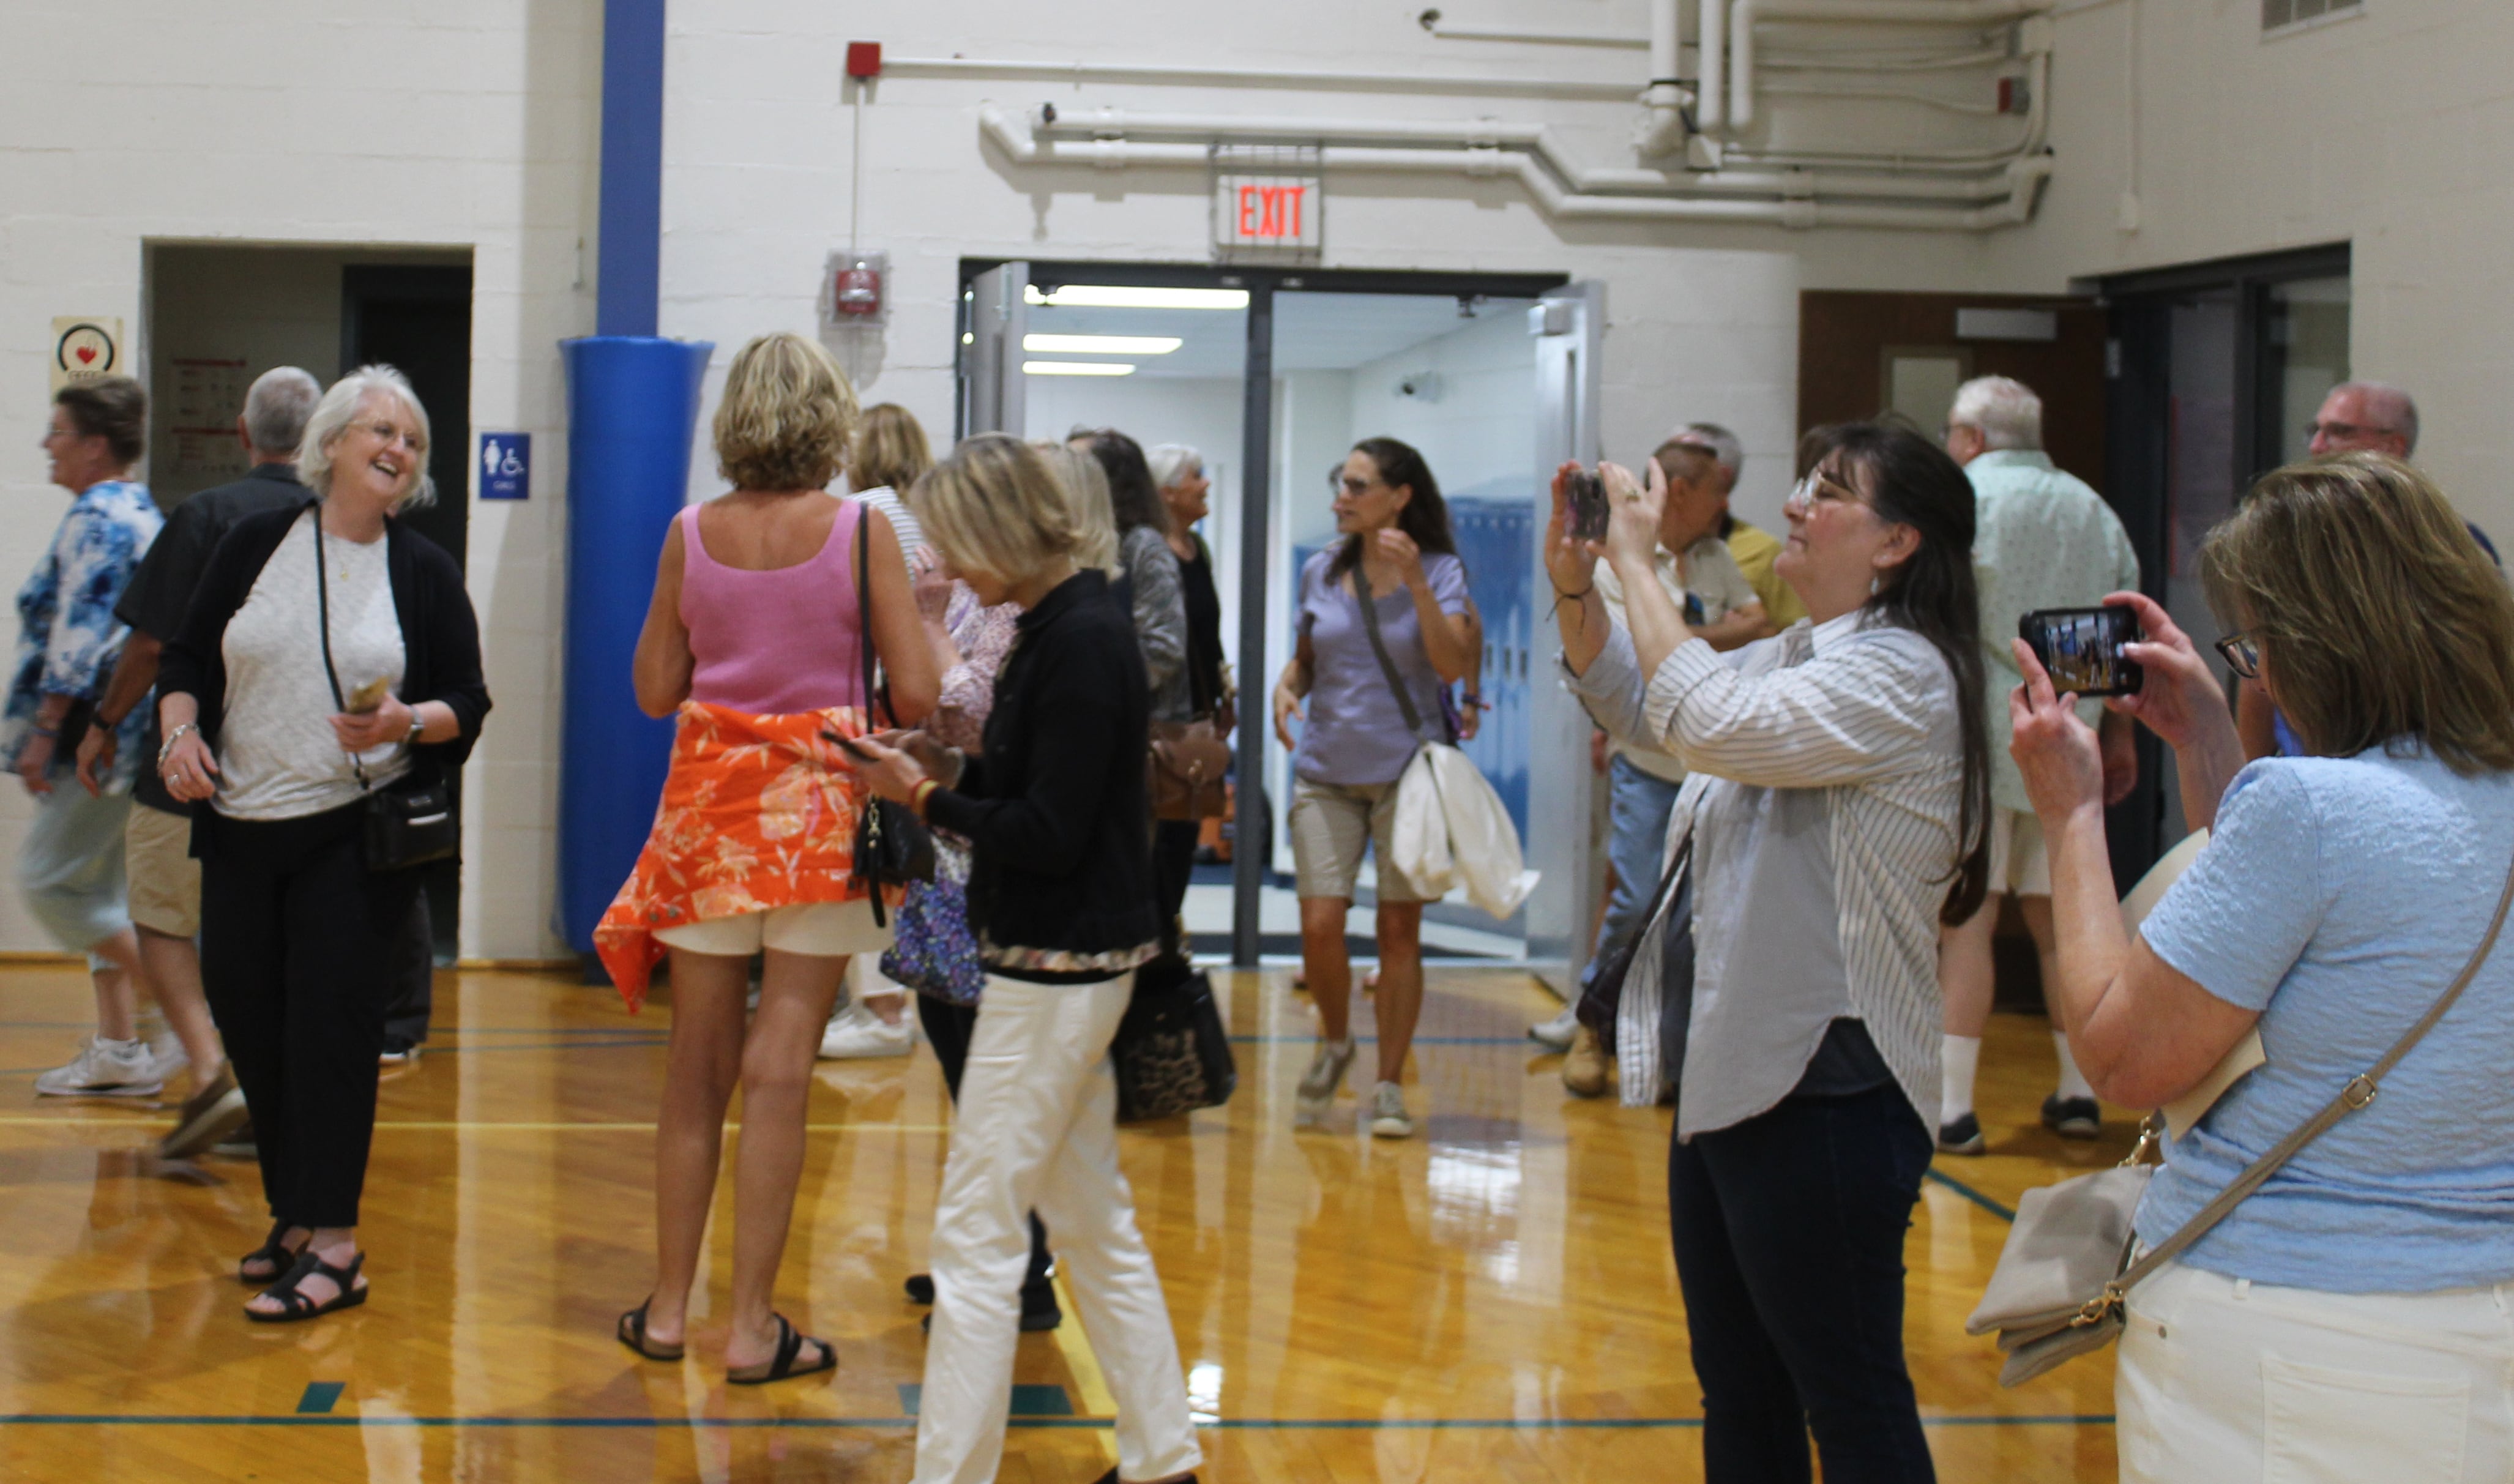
918 796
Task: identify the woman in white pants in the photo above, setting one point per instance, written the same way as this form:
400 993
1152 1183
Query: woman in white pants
1061 899
2354 1317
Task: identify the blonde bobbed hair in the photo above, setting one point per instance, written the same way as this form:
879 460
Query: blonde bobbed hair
888 450
1085 485
785 417
993 506
2379 620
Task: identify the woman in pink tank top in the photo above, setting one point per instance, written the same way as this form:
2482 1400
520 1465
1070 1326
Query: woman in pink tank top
755 640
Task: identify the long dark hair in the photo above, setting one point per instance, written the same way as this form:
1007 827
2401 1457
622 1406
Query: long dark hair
1426 516
1133 498
1909 480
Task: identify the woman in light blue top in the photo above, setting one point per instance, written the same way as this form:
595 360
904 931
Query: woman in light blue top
70 866
2360 1306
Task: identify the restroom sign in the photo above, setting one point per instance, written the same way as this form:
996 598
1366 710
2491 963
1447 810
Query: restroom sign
1269 202
505 465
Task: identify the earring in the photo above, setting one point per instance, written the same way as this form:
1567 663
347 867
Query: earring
1874 583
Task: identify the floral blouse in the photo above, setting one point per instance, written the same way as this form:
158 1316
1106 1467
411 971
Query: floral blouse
67 637
984 636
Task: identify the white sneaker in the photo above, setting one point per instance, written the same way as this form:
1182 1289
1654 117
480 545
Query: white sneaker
166 1055
1387 1119
856 1033
102 1068
1557 1032
1319 1083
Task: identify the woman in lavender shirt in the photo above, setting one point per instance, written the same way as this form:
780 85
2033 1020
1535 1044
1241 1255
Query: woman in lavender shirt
1356 739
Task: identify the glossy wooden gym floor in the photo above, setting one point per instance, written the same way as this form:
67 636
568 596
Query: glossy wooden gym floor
1492 1299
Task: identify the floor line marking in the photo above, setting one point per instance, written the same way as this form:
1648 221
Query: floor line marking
320 1397
1225 1425
1972 1195
151 1117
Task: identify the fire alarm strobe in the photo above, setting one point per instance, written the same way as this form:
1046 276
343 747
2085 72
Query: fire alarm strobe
864 60
857 292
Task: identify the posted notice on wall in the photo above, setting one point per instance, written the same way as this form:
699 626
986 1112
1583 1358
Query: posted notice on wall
202 406
86 346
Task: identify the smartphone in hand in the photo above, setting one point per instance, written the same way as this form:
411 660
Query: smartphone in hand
848 745
367 697
2082 648
1584 497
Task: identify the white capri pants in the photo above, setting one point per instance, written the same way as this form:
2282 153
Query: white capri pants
1037 1128
2223 1381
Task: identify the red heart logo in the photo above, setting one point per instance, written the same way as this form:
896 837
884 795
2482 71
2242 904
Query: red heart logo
85 353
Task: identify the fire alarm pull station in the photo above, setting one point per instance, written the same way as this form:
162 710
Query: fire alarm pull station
855 287
864 60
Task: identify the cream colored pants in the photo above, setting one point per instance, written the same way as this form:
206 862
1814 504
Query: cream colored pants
2228 1382
1036 1129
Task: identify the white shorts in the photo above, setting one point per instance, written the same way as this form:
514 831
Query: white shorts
820 929
2236 1383
2019 864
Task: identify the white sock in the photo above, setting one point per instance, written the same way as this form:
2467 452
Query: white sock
1959 1059
2073 1082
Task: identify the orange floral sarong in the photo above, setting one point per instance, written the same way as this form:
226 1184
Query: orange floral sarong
758 812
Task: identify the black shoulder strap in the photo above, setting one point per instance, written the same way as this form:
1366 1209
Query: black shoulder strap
864 613
323 622
1379 648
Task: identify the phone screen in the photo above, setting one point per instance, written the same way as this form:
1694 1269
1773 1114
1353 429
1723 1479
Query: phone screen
1585 496
2082 648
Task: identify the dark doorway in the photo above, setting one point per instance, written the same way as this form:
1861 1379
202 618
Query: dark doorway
419 320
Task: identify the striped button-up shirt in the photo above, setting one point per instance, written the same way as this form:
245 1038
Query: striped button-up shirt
1827 774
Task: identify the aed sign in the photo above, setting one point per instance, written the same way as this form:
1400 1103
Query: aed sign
1268 212
86 346
505 465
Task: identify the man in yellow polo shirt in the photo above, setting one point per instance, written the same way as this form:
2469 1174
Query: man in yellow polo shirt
1752 547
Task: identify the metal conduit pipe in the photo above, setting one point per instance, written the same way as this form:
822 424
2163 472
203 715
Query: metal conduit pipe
1262 77
1799 208
1745 14
2038 129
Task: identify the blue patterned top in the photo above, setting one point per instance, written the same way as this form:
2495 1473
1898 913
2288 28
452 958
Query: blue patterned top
67 637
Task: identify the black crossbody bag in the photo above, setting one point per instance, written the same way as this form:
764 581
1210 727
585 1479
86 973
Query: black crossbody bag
407 824
893 846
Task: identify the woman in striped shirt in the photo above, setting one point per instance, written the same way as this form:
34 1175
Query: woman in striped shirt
1839 778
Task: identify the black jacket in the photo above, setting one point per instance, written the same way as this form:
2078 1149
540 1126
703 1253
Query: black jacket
440 638
1056 808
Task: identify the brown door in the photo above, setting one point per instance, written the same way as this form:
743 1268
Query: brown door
1862 354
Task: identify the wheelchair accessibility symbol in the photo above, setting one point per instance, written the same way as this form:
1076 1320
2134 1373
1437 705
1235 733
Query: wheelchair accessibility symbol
505 465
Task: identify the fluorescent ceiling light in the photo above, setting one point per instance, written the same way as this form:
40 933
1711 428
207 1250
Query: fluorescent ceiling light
1085 295
1103 344
1076 369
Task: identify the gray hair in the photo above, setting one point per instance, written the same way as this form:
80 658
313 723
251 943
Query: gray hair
339 408
1716 441
2007 412
276 409
2389 403
1172 462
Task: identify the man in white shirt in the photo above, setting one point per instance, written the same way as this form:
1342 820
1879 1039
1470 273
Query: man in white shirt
2042 539
1695 568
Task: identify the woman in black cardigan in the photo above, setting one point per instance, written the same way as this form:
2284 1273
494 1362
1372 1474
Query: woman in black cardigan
297 933
1061 898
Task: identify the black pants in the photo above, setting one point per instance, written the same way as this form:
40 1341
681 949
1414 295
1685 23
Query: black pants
414 996
297 954
1789 1246
1173 862
948 1028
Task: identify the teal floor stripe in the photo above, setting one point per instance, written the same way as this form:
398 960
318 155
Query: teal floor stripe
1973 1196
320 1396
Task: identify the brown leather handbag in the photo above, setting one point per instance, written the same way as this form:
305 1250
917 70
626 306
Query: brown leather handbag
1187 766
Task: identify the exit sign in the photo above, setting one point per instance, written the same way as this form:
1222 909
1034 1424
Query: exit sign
1268 203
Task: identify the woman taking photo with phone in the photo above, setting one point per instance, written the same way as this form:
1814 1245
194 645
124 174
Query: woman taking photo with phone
1838 775
331 652
766 599
1060 895
1384 627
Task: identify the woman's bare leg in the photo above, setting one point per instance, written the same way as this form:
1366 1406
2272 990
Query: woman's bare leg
795 994
1400 984
1324 962
704 1061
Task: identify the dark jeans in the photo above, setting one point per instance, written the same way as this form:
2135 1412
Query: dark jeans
298 956
947 1028
1789 1246
414 992
1173 862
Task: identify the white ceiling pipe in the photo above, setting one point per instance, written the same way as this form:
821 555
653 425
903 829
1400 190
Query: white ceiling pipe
1295 128
1266 77
1661 127
1447 30
1794 211
1713 46
1744 14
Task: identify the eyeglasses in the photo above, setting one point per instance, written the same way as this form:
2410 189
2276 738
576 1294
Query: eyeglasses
1815 487
1349 485
388 435
2242 654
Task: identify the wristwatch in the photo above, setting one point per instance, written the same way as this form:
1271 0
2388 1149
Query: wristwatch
416 726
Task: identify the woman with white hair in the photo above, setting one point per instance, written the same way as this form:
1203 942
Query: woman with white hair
1178 471
330 652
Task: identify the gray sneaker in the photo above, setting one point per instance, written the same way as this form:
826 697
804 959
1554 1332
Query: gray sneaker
1319 1083
1556 1035
1387 1119
102 1068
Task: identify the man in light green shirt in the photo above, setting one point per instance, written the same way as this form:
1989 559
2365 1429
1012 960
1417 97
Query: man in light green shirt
2042 539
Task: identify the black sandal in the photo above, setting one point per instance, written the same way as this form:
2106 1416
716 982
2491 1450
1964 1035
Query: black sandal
279 1255
632 1334
790 1345
295 1305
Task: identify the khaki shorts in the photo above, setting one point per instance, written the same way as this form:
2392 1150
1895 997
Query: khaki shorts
165 879
820 929
1332 822
2019 864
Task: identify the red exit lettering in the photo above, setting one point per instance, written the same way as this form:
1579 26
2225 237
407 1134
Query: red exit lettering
1270 211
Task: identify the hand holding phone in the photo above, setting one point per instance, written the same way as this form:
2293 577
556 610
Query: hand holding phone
1583 494
2082 648
368 696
